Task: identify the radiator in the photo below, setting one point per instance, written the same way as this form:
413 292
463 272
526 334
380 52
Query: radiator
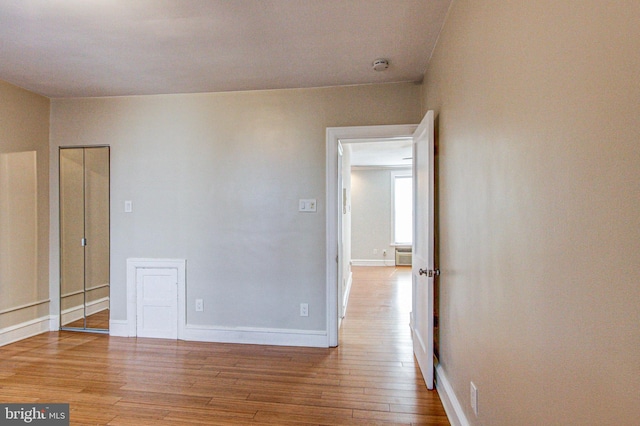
403 256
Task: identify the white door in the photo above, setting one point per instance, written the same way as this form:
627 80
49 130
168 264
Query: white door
341 304
157 302
423 269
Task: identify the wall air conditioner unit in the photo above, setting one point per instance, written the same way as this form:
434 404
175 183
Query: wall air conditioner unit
403 256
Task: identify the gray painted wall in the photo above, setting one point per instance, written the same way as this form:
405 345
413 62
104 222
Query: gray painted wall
215 179
372 214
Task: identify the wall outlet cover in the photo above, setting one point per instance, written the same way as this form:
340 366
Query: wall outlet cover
474 397
304 309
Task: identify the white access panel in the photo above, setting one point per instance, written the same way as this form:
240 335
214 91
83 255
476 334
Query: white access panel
157 302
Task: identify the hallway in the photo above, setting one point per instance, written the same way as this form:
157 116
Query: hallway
379 308
370 379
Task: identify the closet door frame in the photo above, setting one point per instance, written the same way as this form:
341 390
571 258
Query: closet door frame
81 241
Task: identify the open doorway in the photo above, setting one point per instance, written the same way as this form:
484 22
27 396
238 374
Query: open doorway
377 229
424 271
338 207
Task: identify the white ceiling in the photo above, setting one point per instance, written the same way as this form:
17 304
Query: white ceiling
70 48
381 153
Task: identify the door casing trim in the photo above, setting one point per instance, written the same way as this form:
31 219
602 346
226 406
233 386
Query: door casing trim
334 136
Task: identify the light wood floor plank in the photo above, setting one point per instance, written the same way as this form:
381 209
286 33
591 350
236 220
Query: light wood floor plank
370 379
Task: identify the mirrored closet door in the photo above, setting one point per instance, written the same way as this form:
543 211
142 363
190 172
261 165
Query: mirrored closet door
84 238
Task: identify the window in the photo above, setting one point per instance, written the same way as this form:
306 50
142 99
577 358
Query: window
403 210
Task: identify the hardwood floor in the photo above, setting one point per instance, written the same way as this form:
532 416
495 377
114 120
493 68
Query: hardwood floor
370 379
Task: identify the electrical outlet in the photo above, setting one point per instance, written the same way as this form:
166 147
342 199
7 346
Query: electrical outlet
375 251
384 252
304 309
199 305
474 397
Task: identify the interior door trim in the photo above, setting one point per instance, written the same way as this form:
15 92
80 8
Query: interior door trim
334 135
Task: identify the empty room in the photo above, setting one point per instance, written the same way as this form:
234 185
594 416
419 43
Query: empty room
175 212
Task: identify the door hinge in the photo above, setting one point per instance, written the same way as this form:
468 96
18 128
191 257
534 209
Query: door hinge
83 242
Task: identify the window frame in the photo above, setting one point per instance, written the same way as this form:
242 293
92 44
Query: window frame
404 174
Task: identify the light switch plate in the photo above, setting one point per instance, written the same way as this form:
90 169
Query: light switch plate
308 205
128 206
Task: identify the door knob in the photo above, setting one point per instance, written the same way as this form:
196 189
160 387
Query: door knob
429 272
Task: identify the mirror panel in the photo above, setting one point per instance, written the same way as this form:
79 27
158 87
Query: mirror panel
96 184
84 213
71 234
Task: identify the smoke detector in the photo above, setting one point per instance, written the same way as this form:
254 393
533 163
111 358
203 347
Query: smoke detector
380 64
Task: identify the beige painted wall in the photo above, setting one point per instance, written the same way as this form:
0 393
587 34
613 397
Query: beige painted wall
24 129
537 109
215 179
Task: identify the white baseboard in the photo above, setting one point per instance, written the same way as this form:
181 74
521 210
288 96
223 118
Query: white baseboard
451 404
76 313
256 336
97 306
119 328
24 330
242 335
373 262
72 314
54 322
